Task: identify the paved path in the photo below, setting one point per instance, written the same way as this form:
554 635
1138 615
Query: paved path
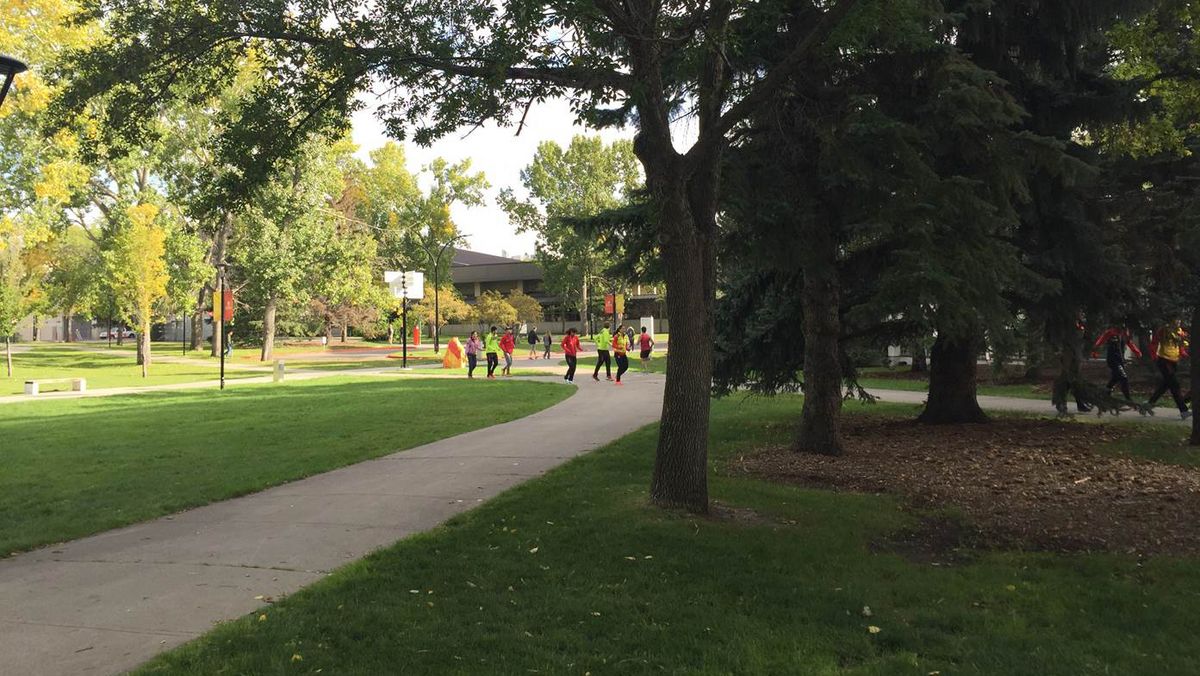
1163 416
107 603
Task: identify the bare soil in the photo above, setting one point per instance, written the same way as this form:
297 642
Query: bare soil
1032 484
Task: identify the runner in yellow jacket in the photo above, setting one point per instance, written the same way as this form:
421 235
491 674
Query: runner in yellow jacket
603 339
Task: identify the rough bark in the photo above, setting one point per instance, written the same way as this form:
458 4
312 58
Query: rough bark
820 419
66 321
1069 374
344 331
268 338
681 462
952 387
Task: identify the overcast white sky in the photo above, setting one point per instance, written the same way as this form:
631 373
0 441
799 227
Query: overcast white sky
497 152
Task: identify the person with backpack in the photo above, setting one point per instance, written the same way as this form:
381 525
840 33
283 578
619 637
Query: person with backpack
1167 346
507 344
547 342
646 343
1115 341
570 346
491 346
533 342
603 339
474 347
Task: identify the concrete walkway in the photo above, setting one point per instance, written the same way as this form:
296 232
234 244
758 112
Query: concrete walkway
1163 416
107 603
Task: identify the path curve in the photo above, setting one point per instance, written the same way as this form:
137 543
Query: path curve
106 603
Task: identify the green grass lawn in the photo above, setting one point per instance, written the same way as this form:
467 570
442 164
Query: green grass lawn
101 370
75 467
573 573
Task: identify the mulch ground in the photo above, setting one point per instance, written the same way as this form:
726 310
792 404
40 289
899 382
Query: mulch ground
1031 484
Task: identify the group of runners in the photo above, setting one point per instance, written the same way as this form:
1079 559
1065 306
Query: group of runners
1167 346
610 346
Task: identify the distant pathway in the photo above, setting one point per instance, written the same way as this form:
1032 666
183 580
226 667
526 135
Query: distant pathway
109 602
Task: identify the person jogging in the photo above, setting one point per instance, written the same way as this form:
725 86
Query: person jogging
620 346
646 343
491 346
570 346
603 339
547 342
507 345
533 342
474 347
1115 341
1168 345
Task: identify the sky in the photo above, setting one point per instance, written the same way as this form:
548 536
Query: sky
500 154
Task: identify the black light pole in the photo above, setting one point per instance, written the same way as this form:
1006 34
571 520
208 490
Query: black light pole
9 69
436 262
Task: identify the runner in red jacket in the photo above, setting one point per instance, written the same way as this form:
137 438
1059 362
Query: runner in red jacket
507 345
570 346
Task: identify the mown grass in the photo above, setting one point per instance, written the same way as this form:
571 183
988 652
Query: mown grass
118 369
75 467
574 573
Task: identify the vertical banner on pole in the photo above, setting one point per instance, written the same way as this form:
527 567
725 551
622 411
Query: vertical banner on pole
609 303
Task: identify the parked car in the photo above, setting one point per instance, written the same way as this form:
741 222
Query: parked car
117 333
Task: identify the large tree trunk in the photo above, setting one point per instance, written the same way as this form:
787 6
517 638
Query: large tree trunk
143 339
268 344
820 420
681 463
952 392
138 346
66 321
1069 375
344 330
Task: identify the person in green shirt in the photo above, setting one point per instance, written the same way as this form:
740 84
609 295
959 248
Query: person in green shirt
603 339
491 346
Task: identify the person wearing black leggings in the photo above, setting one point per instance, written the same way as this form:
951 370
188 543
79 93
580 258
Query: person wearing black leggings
620 345
1167 347
603 339
1115 341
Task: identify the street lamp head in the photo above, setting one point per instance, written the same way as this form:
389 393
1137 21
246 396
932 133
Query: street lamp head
9 69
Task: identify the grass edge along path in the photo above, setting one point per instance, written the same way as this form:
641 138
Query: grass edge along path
81 466
573 573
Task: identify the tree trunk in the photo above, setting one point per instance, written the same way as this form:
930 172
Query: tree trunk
66 321
328 332
268 344
585 315
820 419
1070 358
391 333
198 319
343 339
920 362
952 392
681 462
1195 376
143 339
35 333
8 354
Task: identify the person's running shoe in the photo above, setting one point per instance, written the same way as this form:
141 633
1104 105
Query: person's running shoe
620 384
609 379
595 377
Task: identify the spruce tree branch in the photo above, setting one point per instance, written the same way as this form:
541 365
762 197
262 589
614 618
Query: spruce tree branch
714 136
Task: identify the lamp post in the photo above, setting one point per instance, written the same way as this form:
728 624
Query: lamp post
436 262
9 69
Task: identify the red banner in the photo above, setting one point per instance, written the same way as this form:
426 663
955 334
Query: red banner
609 304
227 305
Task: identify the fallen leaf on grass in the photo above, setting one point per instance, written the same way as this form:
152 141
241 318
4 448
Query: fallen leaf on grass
534 550
297 658
873 629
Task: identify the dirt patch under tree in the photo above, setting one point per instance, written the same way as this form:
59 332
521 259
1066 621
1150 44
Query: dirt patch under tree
1035 484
